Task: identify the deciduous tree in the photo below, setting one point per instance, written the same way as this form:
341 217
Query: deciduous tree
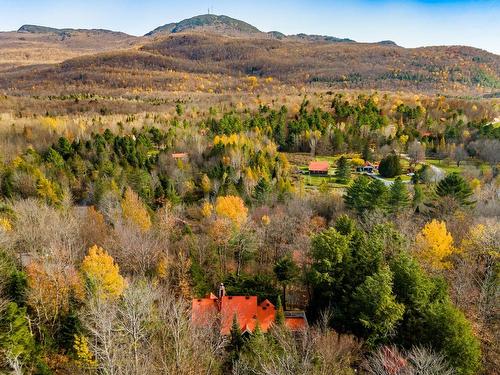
434 245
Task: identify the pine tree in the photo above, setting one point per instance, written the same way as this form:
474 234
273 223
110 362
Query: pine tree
367 153
356 197
286 272
16 339
377 195
343 172
280 314
456 187
418 197
379 312
398 196
236 341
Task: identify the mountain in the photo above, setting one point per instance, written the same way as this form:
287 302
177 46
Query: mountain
35 29
207 22
43 58
184 60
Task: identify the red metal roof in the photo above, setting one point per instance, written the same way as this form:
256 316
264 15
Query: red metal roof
179 155
295 323
248 313
319 166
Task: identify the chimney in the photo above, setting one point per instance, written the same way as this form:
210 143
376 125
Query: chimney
222 291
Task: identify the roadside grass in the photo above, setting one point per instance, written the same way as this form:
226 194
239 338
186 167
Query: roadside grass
448 167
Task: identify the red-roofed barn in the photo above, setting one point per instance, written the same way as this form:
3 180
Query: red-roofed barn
319 167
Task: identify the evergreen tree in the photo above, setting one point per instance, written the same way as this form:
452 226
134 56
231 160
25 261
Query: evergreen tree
377 195
378 311
367 154
286 272
343 172
456 187
16 339
398 196
390 166
262 190
236 340
418 197
356 197
280 314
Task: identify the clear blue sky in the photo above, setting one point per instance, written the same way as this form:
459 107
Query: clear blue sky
409 23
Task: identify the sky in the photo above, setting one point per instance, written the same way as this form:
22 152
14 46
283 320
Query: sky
412 23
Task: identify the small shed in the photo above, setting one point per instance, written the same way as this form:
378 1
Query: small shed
319 168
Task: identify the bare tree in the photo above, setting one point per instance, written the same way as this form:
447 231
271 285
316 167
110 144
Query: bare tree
135 317
416 152
424 361
489 151
459 154
100 319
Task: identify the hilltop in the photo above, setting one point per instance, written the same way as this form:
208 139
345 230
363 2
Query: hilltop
206 22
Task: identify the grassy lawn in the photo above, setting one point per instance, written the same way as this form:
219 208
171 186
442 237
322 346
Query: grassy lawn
403 178
447 167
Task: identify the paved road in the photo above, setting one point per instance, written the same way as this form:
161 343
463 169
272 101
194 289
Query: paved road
386 182
438 175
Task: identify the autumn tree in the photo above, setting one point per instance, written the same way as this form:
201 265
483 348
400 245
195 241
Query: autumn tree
233 208
51 288
103 274
134 210
434 245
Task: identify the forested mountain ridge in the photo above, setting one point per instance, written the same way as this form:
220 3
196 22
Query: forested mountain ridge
222 46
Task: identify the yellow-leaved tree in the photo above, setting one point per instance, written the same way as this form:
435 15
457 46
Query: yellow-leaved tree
84 357
434 245
134 210
232 208
104 274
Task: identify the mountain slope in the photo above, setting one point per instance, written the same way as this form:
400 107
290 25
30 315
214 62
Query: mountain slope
35 29
206 21
341 65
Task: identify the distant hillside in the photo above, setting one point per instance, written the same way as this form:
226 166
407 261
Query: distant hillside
341 65
210 21
35 29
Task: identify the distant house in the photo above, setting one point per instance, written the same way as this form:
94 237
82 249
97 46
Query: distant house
427 134
367 168
247 311
319 167
180 155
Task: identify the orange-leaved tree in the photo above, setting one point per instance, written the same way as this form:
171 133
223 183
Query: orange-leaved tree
51 286
434 245
103 273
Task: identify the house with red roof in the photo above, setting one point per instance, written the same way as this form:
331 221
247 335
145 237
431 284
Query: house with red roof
248 311
319 167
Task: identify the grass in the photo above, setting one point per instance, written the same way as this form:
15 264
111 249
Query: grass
447 167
